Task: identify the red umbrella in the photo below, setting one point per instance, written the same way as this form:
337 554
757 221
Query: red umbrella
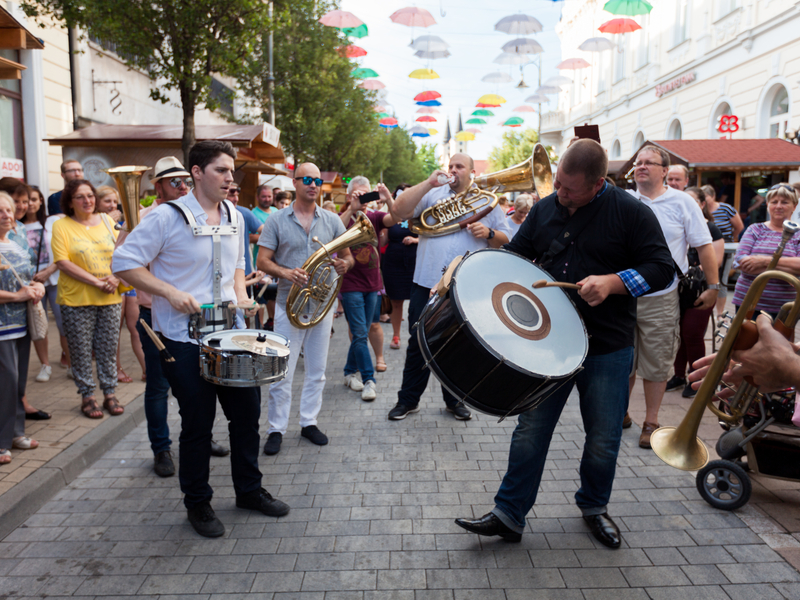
426 119
573 63
482 105
413 17
372 84
388 121
621 25
425 96
340 19
351 51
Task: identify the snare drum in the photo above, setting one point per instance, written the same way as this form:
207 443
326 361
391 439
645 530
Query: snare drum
496 343
244 357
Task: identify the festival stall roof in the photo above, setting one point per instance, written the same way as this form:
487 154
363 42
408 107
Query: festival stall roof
13 36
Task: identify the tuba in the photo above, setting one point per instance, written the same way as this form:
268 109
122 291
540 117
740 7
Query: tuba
307 306
128 180
480 198
680 447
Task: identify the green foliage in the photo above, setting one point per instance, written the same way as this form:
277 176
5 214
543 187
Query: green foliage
427 154
147 201
515 147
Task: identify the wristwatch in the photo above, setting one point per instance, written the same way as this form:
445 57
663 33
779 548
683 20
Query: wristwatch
713 286
491 234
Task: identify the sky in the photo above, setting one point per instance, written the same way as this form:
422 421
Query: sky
468 27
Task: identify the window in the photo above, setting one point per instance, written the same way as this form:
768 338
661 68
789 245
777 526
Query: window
222 94
616 149
642 43
681 22
779 114
638 140
11 142
675 131
723 109
619 57
727 6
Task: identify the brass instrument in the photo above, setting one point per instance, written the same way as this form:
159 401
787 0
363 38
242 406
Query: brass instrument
307 306
480 198
128 179
679 446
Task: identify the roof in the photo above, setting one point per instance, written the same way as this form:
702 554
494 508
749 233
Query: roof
615 166
14 35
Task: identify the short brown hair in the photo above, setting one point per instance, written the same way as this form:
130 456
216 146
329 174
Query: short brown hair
587 157
69 192
13 186
69 162
665 162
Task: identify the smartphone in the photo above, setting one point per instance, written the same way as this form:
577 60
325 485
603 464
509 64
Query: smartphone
591 132
369 197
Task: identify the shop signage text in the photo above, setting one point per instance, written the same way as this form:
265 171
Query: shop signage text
675 84
12 167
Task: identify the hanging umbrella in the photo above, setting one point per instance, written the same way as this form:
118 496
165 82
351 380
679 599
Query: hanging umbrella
518 24
596 44
340 19
429 95
465 136
429 103
363 73
524 108
357 32
513 122
426 119
413 17
619 26
558 80
383 115
491 99
482 112
476 121
372 84
423 74
432 55
630 8
388 122
573 63
379 108
427 110
429 43
523 46
351 51
507 58
388 126
537 99
433 131
418 129
497 77
473 130
484 105
422 135
547 89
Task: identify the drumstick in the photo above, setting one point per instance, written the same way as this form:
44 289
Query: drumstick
162 349
562 284
242 306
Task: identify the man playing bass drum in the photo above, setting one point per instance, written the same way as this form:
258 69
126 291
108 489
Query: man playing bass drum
610 244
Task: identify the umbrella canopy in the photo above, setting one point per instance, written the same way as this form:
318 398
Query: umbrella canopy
596 44
573 63
547 89
497 77
465 136
537 99
523 46
372 84
427 110
484 105
622 25
379 108
433 131
387 126
413 17
429 95
476 121
340 19
429 103
482 112
514 122
558 80
518 24
424 74
357 32
383 115
388 121
429 43
351 51
491 99
426 119
473 130
418 129
507 58
432 55
630 8
422 135
524 108
363 73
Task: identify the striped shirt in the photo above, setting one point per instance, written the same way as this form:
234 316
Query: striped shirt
722 219
760 239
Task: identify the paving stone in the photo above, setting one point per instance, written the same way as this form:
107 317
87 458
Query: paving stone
760 573
525 578
615 594
404 579
754 592
753 553
706 592
619 558
339 580
548 594
704 575
118 585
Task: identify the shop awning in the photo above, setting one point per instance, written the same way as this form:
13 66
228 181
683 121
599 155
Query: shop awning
13 36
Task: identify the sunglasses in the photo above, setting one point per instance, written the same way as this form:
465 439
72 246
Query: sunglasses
785 186
177 182
234 190
307 180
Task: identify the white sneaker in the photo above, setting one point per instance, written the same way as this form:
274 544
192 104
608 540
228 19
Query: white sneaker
353 381
44 374
369 394
69 373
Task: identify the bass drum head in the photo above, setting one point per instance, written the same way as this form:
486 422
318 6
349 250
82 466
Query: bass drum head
224 340
538 332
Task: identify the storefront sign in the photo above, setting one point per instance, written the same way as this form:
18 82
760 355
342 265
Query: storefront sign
12 167
728 124
675 84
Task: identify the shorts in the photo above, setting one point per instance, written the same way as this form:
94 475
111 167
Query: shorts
129 294
376 318
656 336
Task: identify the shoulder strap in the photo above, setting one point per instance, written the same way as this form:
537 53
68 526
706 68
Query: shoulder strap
183 211
575 225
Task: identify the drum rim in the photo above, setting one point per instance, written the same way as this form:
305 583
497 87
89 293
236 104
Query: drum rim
453 292
203 344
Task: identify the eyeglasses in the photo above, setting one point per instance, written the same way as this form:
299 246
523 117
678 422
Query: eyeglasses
785 186
644 163
232 191
307 180
177 182
73 171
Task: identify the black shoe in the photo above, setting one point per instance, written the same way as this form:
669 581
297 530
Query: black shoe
217 450
675 383
273 445
460 412
604 529
688 392
261 501
401 411
205 522
314 435
269 325
164 467
489 524
39 415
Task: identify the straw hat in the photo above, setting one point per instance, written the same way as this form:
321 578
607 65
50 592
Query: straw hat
169 166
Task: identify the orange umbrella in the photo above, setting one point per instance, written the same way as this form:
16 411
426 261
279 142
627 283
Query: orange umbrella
621 25
573 63
426 119
351 51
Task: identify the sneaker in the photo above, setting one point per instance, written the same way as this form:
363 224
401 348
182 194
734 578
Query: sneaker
369 394
314 435
204 521
353 382
44 374
262 501
163 465
63 362
270 325
69 373
273 445
688 392
460 412
676 383
395 345
401 411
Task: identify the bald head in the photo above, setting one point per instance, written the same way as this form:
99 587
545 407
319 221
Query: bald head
307 193
461 169
586 157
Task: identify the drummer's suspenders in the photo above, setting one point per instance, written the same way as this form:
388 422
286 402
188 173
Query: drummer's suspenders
574 226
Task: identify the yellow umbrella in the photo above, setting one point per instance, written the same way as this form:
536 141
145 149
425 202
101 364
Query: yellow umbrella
433 131
424 74
491 99
465 136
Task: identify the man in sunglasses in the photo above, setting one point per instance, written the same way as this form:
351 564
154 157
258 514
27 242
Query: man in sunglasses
289 237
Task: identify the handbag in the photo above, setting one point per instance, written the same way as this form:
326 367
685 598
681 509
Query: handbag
37 318
386 305
690 285
122 287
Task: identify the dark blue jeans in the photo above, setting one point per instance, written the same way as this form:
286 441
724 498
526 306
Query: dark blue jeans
359 307
156 389
197 399
415 373
603 389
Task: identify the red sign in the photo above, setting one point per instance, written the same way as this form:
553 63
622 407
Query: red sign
728 124
675 84
11 167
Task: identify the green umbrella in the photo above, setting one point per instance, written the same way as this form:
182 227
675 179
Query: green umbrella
356 32
383 115
629 8
476 122
514 122
482 112
363 73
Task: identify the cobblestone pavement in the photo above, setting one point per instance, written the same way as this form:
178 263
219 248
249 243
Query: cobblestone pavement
372 517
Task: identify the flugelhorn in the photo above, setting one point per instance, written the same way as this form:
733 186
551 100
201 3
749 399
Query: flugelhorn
306 306
128 179
679 446
533 174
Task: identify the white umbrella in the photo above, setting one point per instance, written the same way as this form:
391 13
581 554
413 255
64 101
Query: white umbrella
433 54
507 58
558 80
523 46
596 44
497 77
518 24
547 89
427 110
537 99
418 129
429 43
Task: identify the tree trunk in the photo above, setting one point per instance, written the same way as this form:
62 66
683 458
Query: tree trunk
188 140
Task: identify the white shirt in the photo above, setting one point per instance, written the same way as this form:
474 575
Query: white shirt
683 225
434 254
165 242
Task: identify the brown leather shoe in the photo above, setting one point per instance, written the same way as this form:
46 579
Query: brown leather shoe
627 421
647 431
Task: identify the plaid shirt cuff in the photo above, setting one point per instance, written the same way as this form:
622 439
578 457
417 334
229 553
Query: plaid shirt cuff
634 282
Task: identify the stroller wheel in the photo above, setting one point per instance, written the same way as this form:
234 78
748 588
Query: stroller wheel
724 485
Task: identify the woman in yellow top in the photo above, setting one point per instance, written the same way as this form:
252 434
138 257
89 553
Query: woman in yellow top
83 243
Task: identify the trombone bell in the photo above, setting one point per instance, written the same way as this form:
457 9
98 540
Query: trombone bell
679 448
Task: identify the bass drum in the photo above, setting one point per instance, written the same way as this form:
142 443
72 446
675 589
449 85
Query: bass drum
496 343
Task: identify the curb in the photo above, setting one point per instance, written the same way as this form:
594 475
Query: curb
33 492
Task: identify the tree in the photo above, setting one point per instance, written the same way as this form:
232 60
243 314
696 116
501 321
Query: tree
180 44
516 147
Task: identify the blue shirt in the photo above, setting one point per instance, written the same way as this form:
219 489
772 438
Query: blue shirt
251 225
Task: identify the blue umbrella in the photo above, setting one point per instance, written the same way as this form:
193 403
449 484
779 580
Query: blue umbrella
430 103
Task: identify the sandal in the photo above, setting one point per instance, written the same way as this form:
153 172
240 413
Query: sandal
123 377
112 406
90 408
5 456
380 366
24 443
